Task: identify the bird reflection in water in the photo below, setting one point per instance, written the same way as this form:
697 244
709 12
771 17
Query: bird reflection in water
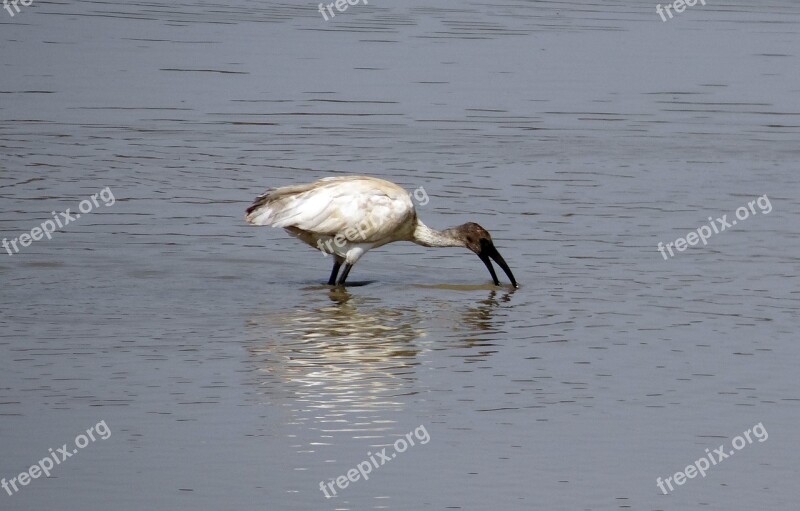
340 365
482 317
476 327
482 331
344 365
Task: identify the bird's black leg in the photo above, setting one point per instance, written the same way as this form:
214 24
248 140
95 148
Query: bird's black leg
346 271
336 264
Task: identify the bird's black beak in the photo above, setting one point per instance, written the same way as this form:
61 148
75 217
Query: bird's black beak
489 251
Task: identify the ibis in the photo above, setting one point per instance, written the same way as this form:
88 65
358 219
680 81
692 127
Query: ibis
347 216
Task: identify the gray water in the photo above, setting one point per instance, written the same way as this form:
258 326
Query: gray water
581 134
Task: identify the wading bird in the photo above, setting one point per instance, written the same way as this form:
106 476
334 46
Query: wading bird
347 216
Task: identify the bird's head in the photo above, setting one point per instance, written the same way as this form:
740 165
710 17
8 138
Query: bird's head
478 239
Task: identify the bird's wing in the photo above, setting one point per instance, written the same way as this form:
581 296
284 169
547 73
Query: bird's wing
359 208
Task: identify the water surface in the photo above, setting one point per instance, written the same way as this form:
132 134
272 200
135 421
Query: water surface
580 134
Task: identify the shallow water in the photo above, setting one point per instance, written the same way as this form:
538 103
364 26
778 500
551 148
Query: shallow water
581 134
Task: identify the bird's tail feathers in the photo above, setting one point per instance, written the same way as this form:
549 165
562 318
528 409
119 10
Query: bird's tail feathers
272 208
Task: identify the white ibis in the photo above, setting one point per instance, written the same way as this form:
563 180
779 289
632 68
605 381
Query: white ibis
347 216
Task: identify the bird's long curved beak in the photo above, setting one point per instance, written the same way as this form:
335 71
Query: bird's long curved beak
489 251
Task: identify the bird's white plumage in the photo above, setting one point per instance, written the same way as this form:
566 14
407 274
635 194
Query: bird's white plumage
364 212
